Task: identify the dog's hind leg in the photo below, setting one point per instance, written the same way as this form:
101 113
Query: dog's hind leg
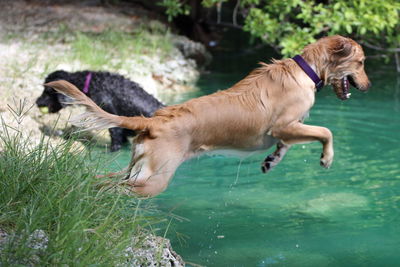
274 158
153 164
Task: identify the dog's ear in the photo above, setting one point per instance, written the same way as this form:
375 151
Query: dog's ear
63 100
341 47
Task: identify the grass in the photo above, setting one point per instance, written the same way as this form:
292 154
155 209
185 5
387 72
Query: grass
113 47
52 189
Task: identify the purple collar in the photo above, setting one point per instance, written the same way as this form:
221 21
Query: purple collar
87 83
309 71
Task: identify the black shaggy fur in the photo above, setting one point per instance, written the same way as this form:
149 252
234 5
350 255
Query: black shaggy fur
113 92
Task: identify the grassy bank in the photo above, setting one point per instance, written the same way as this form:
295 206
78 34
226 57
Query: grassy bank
51 189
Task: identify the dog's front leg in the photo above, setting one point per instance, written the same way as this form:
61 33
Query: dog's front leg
274 158
297 132
118 137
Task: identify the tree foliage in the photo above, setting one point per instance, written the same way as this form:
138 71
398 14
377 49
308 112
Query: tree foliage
291 24
175 8
288 25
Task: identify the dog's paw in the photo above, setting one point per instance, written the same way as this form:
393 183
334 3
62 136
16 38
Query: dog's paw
326 161
268 163
115 147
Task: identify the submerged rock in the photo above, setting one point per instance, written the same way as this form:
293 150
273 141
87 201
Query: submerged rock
332 203
295 258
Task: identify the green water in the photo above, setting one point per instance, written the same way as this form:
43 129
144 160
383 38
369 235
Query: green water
299 214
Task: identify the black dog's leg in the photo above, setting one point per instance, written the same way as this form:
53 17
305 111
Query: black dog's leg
118 137
273 159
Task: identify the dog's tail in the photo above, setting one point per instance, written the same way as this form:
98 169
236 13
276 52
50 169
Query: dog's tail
96 118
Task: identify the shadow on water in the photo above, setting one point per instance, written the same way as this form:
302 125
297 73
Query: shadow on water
298 214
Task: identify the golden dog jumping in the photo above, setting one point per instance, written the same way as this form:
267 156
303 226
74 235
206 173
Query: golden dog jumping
265 108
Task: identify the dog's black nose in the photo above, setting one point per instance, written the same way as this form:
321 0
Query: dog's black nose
40 102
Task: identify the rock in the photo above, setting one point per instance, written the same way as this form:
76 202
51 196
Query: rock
148 251
37 241
3 237
192 50
152 251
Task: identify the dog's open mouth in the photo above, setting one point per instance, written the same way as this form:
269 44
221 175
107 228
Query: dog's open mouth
342 87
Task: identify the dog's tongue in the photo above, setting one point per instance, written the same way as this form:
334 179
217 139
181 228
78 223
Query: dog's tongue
346 87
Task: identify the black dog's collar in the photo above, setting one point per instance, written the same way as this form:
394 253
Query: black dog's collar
309 71
87 83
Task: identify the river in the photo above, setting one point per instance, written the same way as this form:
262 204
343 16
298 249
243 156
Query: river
299 214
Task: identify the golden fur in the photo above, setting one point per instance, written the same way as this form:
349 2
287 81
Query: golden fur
265 108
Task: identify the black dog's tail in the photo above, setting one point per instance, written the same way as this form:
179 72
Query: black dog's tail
96 118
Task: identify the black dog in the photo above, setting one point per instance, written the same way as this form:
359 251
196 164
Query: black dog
113 92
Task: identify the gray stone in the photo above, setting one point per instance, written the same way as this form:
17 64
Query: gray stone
192 50
152 251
